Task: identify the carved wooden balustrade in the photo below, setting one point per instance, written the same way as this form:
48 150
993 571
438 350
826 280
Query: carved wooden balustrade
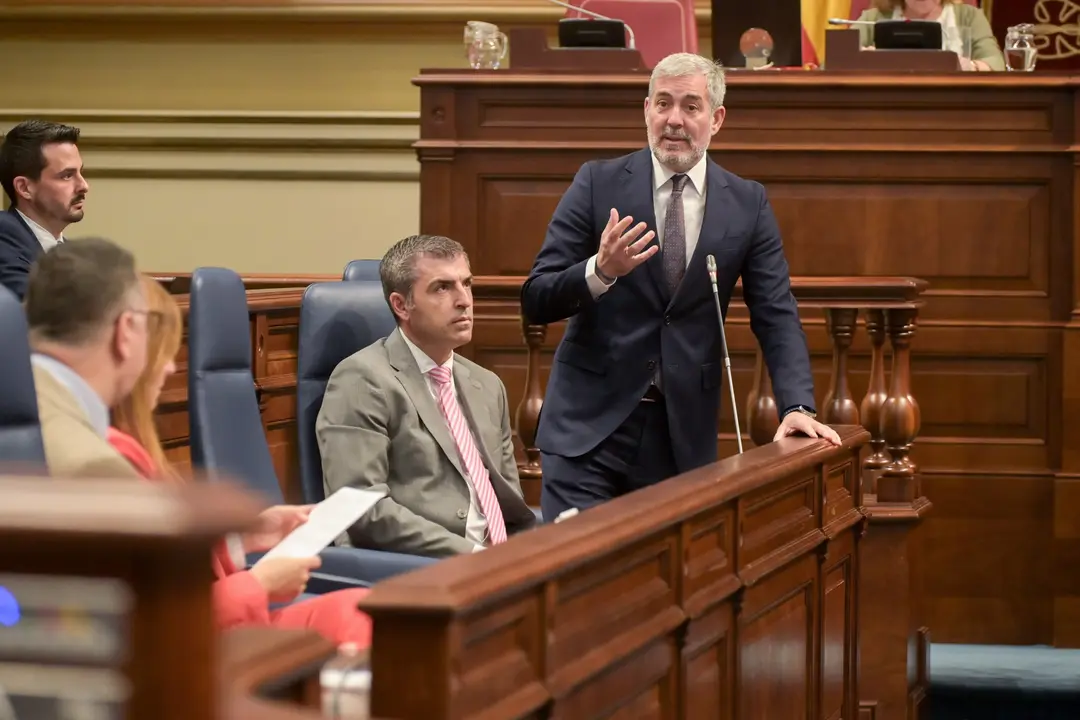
894 643
889 411
890 307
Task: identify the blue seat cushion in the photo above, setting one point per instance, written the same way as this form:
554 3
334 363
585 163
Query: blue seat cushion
1003 682
1037 668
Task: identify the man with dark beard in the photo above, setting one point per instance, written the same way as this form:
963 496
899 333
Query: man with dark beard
41 172
634 391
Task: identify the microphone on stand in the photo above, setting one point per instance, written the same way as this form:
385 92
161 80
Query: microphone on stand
710 263
841 21
598 16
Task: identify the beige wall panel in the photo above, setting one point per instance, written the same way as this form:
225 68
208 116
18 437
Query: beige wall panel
258 192
270 226
328 76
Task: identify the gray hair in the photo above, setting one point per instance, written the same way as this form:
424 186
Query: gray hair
397 270
688 64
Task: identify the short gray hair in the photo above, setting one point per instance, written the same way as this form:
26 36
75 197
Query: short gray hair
688 64
397 271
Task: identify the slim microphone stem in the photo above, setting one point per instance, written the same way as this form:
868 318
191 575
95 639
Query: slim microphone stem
727 365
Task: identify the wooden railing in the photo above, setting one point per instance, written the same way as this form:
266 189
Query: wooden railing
890 622
894 642
728 592
890 307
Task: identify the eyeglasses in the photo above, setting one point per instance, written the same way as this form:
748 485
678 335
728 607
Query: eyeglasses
153 317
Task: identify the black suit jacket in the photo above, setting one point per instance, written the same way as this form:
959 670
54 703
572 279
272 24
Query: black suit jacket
613 345
19 248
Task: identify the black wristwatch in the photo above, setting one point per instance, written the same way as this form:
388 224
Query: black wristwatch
802 409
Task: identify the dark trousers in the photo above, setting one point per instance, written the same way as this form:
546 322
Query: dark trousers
636 455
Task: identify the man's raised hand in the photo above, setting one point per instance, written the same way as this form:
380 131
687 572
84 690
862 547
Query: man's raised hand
621 250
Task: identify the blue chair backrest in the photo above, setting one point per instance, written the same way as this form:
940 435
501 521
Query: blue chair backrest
361 270
20 430
227 437
337 319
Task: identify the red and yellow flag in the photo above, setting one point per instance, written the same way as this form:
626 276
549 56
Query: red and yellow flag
815 14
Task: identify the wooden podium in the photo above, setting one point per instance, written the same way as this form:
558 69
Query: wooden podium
529 50
843 52
105 602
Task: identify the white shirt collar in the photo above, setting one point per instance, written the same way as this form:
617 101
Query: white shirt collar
46 238
425 363
97 412
696 174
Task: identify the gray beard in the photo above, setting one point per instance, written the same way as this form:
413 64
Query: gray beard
679 162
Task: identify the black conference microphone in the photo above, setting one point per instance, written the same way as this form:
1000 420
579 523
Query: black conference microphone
710 263
598 16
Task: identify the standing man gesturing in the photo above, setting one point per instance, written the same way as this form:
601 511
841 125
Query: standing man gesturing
634 391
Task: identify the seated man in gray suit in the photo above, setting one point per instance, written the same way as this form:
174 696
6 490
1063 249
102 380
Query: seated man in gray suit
408 416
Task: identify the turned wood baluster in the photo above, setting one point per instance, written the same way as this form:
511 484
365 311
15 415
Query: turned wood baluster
876 394
839 407
762 417
899 480
527 416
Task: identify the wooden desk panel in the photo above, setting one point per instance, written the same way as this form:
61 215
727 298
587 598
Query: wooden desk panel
693 598
965 181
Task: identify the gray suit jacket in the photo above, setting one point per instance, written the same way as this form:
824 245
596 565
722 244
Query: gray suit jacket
380 428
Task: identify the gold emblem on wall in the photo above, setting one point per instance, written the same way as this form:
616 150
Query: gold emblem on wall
1057 29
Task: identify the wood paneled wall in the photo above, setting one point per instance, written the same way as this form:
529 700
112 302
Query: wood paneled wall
968 182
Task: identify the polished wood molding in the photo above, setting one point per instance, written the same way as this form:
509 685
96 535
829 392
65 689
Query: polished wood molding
729 591
870 175
143 549
269 668
249 20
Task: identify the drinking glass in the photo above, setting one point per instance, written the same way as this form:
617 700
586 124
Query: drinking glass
965 42
1020 52
485 45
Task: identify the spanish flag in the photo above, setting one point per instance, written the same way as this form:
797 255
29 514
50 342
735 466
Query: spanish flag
815 13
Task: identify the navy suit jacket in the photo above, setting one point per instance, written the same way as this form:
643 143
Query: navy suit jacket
612 345
19 248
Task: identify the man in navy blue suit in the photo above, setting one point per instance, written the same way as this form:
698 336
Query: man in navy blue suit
634 391
41 173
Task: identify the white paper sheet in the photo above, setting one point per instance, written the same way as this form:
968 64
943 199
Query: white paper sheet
328 519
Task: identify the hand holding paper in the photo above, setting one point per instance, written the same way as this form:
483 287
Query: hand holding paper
275 525
326 521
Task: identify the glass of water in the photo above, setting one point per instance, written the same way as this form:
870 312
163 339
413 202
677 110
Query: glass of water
1020 52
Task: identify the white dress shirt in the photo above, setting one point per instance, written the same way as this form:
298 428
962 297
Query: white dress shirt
693 196
47 239
475 523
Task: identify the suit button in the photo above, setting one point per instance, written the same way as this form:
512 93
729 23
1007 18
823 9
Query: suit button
667 319
652 364
462 514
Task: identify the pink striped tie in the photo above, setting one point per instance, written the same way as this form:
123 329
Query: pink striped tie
470 455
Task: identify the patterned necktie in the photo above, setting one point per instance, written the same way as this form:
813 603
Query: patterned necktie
470 455
674 248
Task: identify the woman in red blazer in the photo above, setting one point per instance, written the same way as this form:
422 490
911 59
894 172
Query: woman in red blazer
241 597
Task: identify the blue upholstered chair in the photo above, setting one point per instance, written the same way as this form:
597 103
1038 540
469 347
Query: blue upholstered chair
362 270
336 320
227 437
21 448
1002 682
